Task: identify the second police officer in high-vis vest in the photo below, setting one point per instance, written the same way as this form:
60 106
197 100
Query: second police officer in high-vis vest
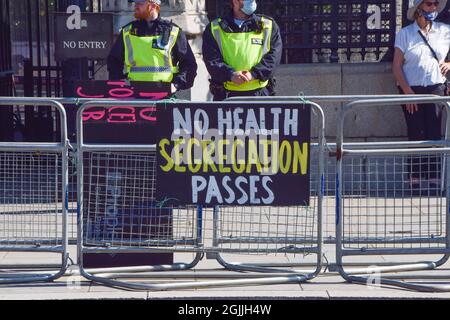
241 52
152 49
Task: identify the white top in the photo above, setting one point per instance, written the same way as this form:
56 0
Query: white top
420 67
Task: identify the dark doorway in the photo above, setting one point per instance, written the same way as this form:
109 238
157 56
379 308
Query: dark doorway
6 72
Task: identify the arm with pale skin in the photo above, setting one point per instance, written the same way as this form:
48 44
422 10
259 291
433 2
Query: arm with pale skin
400 77
445 66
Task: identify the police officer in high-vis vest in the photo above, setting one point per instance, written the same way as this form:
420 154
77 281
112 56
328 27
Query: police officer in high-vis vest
152 49
241 52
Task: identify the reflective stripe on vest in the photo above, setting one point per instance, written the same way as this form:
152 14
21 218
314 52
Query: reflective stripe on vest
146 59
150 69
243 51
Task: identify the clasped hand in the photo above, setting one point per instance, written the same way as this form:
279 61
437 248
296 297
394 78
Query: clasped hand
240 77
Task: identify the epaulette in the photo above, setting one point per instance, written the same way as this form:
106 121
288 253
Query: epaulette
169 23
259 21
224 25
131 25
260 16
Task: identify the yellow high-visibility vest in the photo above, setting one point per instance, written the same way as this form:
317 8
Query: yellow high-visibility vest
147 58
243 51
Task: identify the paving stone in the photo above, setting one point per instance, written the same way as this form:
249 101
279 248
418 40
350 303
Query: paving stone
384 294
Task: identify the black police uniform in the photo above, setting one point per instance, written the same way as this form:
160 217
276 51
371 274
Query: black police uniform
220 72
181 54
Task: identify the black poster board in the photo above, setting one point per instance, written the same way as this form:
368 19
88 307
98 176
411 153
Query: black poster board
124 124
83 35
238 154
133 216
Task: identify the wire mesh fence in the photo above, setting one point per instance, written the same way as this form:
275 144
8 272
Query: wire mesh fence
393 197
120 211
270 229
30 199
394 201
120 207
329 205
33 201
267 229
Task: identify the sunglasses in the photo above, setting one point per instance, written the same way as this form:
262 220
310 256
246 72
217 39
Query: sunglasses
430 4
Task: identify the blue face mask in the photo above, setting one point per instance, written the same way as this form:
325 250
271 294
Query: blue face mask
429 16
249 7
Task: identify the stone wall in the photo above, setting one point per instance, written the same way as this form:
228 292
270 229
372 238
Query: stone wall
347 79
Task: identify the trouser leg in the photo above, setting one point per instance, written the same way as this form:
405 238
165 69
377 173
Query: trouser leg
433 129
425 124
416 131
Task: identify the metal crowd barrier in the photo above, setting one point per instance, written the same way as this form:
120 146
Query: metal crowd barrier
292 230
379 213
72 173
33 199
375 212
329 191
329 225
72 206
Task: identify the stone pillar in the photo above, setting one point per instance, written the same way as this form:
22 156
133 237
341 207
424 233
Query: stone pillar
190 15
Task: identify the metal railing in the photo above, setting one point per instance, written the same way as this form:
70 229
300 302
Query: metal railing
33 198
369 207
385 215
182 229
329 230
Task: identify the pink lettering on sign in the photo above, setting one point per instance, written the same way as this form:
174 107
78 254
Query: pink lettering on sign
121 93
116 89
83 95
93 115
116 83
119 89
146 114
153 95
120 114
